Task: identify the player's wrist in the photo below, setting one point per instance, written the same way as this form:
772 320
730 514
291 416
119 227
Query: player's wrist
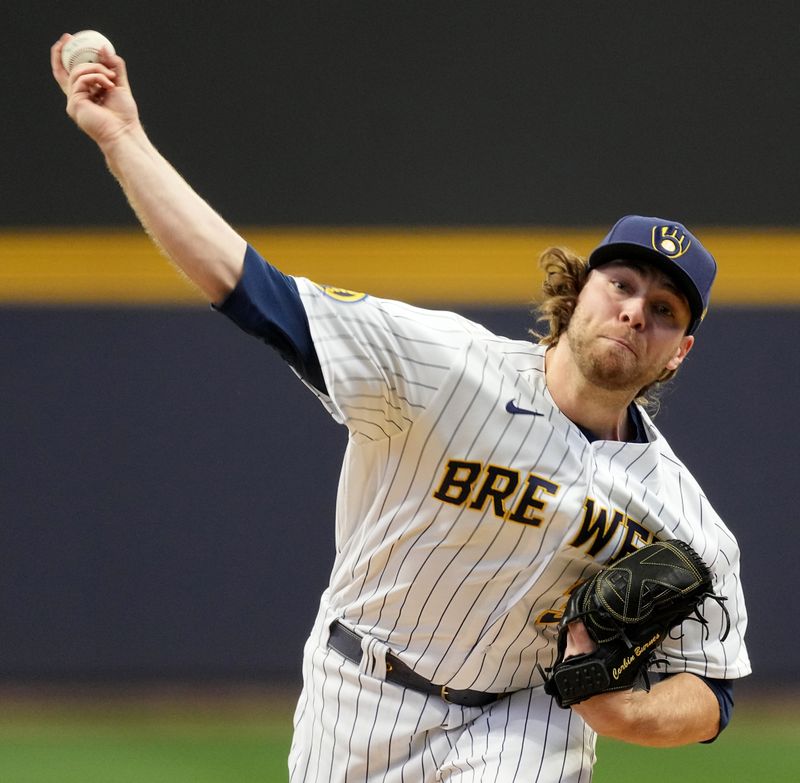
119 142
612 714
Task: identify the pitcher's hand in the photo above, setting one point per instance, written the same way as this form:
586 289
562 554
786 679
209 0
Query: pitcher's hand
99 97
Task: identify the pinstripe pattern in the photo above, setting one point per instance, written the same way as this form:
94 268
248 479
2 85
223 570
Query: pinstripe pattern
351 725
461 584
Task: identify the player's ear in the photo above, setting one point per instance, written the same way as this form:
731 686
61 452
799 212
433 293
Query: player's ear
687 341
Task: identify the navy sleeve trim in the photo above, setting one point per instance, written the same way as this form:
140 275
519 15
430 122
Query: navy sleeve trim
723 690
266 304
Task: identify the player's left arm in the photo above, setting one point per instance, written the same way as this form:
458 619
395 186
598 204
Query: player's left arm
679 710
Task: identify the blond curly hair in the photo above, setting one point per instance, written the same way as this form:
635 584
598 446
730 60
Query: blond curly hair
565 275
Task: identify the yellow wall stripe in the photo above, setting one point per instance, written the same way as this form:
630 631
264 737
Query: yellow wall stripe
493 266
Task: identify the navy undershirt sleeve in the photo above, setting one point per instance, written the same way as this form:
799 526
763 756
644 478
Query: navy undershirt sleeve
266 304
723 690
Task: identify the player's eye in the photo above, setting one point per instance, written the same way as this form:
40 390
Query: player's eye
664 310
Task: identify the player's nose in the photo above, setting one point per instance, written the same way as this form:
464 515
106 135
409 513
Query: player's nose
632 312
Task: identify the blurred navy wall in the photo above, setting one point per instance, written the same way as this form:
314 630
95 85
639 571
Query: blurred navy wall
168 488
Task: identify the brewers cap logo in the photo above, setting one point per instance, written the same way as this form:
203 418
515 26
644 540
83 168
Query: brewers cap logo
671 241
340 294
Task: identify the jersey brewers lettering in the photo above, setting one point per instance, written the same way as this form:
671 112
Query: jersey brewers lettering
497 484
462 525
470 484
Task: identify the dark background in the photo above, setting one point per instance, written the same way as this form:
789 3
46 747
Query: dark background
432 112
166 496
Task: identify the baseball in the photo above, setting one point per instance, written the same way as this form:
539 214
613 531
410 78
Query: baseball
84 47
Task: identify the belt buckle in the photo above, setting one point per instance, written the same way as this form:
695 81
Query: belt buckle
444 693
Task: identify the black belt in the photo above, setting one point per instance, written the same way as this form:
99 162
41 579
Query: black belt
348 643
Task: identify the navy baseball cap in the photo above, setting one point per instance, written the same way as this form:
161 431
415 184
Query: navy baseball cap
670 246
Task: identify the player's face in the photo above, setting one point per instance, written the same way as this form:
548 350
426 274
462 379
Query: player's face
629 326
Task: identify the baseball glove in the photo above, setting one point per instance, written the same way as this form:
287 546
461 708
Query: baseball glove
628 608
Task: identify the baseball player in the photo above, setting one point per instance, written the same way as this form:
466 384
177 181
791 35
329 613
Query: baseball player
484 478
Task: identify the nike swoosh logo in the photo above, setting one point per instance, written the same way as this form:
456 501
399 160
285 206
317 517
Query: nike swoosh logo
512 407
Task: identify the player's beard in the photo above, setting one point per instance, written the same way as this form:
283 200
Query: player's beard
608 364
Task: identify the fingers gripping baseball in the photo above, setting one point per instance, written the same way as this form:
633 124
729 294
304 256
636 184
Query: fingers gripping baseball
99 98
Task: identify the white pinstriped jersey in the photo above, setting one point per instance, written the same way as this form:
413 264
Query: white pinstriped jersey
462 525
